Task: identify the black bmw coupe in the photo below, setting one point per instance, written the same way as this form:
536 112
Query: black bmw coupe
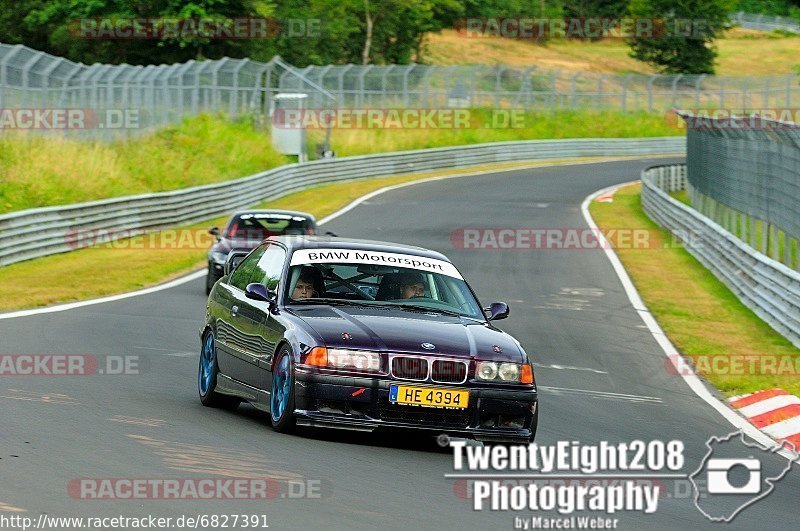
248 228
363 335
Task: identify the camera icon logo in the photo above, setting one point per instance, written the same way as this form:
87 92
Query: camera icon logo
719 479
737 472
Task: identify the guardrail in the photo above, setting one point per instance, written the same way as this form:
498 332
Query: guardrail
764 285
44 231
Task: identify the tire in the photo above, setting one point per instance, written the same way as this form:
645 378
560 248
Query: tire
281 400
210 281
207 372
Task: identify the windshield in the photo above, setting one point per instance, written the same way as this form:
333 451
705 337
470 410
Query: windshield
261 226
322 277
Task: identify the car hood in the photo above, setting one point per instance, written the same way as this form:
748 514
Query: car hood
398 330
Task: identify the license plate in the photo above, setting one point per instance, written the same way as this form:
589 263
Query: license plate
429 396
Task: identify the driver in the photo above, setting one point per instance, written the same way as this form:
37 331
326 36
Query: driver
411 285
310 284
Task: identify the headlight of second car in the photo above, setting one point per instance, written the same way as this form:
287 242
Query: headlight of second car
218 257
504 372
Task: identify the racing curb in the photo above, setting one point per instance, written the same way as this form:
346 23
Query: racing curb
774 411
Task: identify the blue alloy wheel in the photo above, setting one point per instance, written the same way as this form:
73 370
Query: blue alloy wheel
207 372
282 394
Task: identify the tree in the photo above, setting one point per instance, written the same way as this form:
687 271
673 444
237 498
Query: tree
53 26
393 30
340 31
588 9
683 38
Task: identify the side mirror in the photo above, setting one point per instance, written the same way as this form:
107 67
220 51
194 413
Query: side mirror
234 259
258 292
214 231
497 311
331 234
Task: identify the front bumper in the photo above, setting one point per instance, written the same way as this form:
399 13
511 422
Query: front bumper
362 403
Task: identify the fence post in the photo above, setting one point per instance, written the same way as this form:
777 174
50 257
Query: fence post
697 89
46 76
625 92
4 69
233 101
675 87
745 94
573 90
408 70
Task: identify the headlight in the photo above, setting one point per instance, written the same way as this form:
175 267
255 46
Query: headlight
358 360
505 372
486 370
509 372
218 257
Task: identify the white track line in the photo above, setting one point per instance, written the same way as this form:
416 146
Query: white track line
111 298
199 274
602 394
691 379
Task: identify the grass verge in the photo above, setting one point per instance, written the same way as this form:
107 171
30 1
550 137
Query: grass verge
42 170
38 170
135 263
732 348
582 123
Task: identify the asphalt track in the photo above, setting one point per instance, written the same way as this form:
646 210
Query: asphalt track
601 374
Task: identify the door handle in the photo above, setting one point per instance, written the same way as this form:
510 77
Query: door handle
234 311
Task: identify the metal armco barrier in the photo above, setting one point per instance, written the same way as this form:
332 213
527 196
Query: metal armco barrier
764 285
44 231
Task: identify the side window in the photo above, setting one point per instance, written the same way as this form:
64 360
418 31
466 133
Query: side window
241 276
269 268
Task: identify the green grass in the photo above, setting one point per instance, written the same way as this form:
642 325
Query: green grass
37 170
543 125
699 314
682 196
40 170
